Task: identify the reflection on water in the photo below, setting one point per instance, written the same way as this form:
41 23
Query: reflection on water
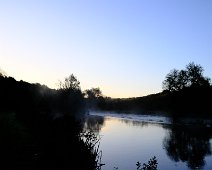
134 123
124 142
94 123
188 144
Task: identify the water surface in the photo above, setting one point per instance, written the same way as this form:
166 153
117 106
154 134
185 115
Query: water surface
127 139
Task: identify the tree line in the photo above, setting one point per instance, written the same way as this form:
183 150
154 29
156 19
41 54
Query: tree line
185 92
192 76
42 128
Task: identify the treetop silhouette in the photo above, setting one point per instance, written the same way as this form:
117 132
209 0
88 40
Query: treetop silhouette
192 76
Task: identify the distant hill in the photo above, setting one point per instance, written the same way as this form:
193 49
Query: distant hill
188 101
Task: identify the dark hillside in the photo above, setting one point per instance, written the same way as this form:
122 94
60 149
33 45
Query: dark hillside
40 127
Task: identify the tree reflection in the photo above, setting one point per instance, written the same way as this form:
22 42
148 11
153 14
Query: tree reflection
94 123
188 144
135 123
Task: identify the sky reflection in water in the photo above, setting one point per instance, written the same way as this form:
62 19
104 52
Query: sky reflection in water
124 142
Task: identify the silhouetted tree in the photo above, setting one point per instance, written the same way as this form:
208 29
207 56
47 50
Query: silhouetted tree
191 77
170 83
182 79
70 97
70 82
93 93
93 97
195 75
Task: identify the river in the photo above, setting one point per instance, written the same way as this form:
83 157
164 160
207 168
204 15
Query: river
129 138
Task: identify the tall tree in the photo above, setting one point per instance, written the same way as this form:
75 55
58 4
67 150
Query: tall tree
170 83
190 77
70 83
195 75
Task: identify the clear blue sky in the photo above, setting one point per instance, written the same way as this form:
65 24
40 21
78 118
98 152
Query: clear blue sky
125 47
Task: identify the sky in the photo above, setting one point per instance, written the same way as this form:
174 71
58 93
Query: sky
124 47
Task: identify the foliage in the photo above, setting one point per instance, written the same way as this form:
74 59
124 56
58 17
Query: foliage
192 76
91 140
70 83
151 165
93 93
42 131
93 97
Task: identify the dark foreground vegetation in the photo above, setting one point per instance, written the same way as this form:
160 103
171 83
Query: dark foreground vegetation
41 128
185 92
